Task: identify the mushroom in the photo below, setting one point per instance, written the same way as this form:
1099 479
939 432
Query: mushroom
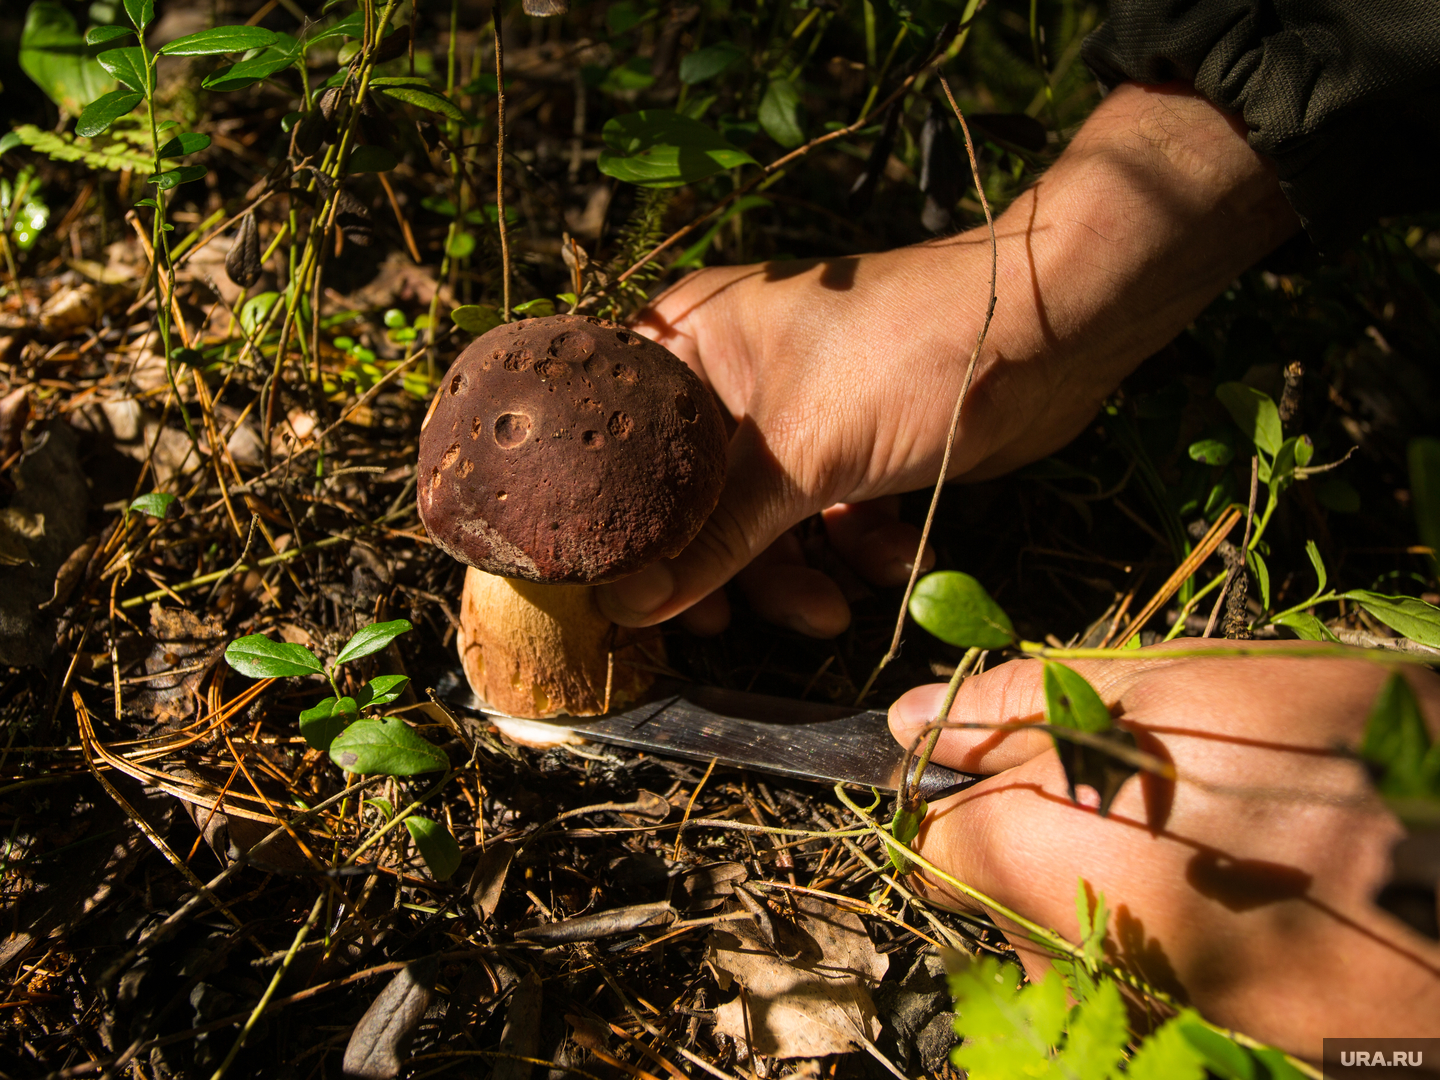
561 453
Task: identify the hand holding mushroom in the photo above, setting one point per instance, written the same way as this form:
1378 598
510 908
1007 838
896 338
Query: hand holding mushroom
842 373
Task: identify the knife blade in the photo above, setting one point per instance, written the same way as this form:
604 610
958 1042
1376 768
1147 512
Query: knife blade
805 740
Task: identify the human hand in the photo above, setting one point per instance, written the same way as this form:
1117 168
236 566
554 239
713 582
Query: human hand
1245 887
842 374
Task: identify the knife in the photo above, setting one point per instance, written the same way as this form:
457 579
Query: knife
806 740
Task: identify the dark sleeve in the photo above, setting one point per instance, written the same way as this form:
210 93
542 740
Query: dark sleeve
1343 95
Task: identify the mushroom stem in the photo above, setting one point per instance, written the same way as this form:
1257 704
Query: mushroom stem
536 651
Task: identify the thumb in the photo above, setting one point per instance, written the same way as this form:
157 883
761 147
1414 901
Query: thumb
757 504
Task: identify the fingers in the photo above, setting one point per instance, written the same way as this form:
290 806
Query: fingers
1012 693
709 615
869 536
756 505
783 589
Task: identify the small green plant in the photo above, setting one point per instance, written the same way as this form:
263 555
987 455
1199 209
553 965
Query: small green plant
363 369
352 730
1014 1031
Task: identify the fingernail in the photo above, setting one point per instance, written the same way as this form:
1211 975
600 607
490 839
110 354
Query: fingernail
801 625
896 572
639 595
919 706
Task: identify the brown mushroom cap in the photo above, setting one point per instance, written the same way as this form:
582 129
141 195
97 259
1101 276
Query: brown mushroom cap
568 449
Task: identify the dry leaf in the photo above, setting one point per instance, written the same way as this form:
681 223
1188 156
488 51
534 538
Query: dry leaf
72 309
807 1009
522 1031
377 1046
587 1033
242 265
600 924
185 644
707 887
71 571
14 415
488 880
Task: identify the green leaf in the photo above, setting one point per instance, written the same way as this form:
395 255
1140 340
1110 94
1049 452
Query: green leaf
957 609
99 35
1282 468
1081 974
53 53
1319 564
659 148
393 318
709 62
247 72
461 244
1424 460
1396 740
1276 1064
1220 1055
381 690
155 504
1211 452
539 308
476 318
1262 577
780 113
429 100
192 142
127 65
141 12
370 158
437 847
383 805
256 310
386 747
353 25
1008 1032
219 40
634 74
1071 702
905 827
321 723
372 638
1306 626
1254 413
1097 1036
1406 615
1304 450
621 16
175 177
260 658
1167 1055
104 111
1338 495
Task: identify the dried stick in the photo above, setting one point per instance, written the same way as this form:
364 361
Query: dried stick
500 166
894 649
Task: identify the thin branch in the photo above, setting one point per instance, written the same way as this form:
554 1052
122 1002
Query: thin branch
500 165
894 649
